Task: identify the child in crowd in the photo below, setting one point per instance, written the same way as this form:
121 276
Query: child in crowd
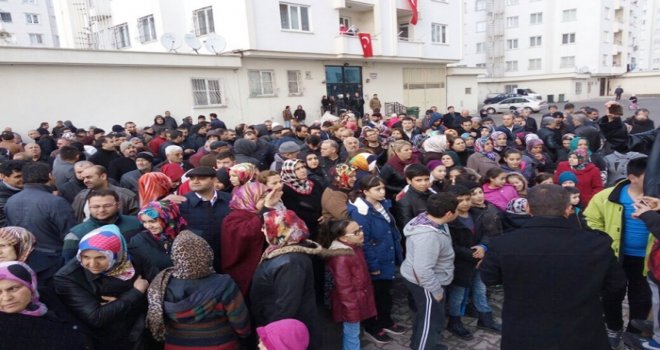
576 215
568 179
543 178
519 182
286 334
470 245
496 190
413 201
352 294
513 162
383 252
438 174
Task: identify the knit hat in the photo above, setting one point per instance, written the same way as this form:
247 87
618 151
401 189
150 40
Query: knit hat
173 171
124 145
517 206
432 164
567 176
146 156
289 147
287 334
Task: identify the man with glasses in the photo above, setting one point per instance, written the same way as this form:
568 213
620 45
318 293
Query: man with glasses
104 210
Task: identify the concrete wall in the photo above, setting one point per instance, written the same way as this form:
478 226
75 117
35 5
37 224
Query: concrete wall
646 83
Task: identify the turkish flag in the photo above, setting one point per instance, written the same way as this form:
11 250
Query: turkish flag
413 7
365 41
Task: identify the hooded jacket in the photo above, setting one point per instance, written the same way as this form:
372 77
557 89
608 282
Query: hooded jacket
429 259
500 197
244 151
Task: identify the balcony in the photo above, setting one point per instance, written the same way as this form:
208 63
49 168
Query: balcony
410 49
346 45
99 10
357 16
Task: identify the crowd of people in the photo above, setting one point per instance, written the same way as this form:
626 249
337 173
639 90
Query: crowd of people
197 235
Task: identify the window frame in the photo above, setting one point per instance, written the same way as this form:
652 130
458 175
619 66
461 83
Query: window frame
536 41
207 91
38 36
125 36
512 44
511 66
11 20
299 13
564 64
262 93
568 38
477 24
512 22
480 47
538 66
209 22
536 18
297 81
441 36
151 25
30 17
565 15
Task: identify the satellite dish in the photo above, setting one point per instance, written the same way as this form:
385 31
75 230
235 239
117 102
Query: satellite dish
215 44
192 41
170 41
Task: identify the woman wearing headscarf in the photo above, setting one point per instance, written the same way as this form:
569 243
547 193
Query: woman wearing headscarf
105 290
17 243
536 156
34 318
484 156
283 285
393 173
242 173
153 186
500 145
315 171
434 147
589 180
301 194
162 222
334 200
191 306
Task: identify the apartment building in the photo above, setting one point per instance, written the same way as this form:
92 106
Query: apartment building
28 23
567 49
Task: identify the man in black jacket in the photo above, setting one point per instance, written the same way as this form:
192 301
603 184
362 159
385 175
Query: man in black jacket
554 275
11 174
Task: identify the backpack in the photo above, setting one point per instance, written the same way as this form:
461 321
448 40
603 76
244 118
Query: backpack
617 164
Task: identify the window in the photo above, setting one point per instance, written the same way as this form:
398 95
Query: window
512 22
578 88
120 36
536 18
346 21
439 33
535 41
568 38
512 44
480 5
481 26
511 66
207 92
468 91
36 39
294 17
32 18
5 17
293 77
534 64
569 15
261 83
510 88
147 29
480 47
567 62
404 31
203 21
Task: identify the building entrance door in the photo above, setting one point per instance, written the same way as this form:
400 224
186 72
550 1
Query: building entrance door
342 82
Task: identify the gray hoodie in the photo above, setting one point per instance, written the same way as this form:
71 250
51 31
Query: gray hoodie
429 259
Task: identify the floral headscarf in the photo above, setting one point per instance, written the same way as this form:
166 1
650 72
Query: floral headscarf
283 228
245 197
290 179
192 258
22 240
245 172
153 186
167 213
341 175
517 206
108 241
582 157
479 145
21 273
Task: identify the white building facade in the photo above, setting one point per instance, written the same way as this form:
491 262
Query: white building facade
28 23
563 49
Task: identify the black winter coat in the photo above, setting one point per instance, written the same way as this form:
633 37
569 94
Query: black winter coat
394 180
462 238
412 204
554 276
146 251
307 207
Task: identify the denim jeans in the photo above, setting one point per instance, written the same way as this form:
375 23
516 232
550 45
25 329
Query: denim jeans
458 297
351 337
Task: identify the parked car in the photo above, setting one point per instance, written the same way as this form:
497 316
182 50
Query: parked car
529 93
494 98
515 103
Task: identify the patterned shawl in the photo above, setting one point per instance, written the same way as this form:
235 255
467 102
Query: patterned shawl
22 240
21 273
167 213
290 179
109 241
245 197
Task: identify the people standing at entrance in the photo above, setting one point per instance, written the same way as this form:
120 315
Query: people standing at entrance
375 104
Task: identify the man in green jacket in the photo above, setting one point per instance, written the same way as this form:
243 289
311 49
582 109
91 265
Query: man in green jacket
610 211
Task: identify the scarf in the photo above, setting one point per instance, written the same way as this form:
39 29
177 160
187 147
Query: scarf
153 186
436 143
282 228
244 171
167 213
493 137
364 161
479 145
22 240
109 241
246 197
341 176
21 273
192 259
290 179
400 165
583 159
